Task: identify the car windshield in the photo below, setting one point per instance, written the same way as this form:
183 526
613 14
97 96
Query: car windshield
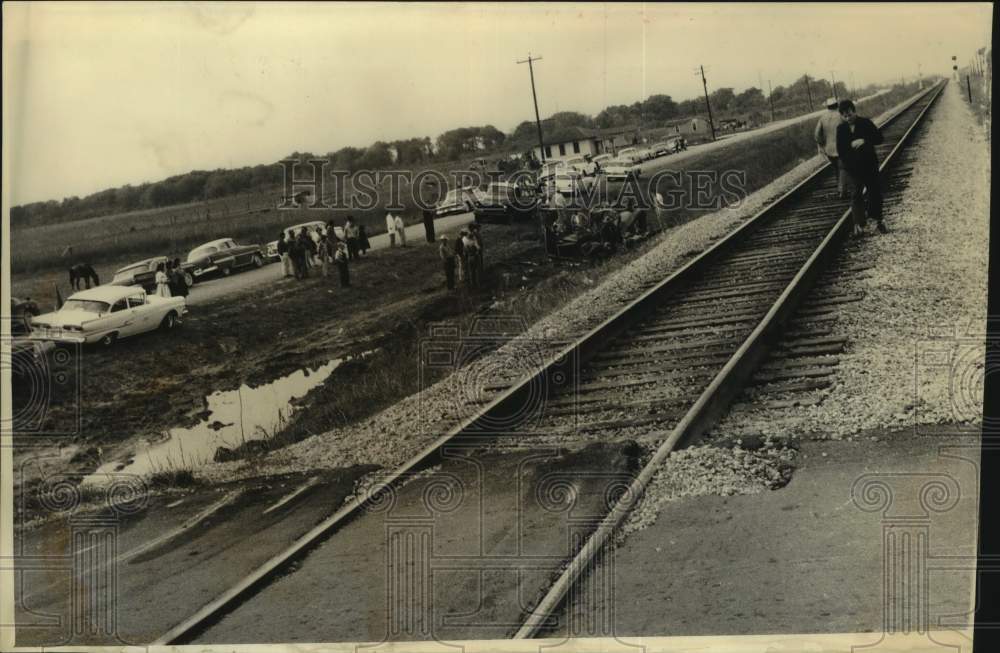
87 305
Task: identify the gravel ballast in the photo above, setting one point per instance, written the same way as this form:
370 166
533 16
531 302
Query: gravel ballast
400 432
916 341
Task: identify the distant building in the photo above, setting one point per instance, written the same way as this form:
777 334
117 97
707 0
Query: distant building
567 143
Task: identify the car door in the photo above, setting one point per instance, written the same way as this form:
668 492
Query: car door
144 314
120 318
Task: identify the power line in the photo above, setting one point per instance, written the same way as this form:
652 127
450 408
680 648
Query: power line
711 123
534 97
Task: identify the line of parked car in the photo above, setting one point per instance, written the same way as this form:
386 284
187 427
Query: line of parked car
129 305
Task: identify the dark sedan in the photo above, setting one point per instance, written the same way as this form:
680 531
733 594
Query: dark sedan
223 256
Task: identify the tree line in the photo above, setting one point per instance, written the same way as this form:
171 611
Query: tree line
452 145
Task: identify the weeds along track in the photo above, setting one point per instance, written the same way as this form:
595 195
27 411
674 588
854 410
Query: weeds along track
660 372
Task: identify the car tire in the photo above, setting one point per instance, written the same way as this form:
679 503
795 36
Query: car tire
226 271
258 261
188 279
169 321
108 339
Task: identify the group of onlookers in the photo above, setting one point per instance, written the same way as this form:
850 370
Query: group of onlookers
464 257
318 248
396 229
170 281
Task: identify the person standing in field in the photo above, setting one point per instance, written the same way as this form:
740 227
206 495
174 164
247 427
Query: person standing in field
323 252
286 260
297 251
162 281
470 253
178 285
856 141
363 244
351 236
447 254
475 232
825 135
390 228
429 224
459 249
308 249
401 231
341 258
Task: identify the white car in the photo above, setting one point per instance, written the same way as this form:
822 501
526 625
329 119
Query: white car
572 181
583 166
630 154
457 200
107 313
620 169
272 247
549 170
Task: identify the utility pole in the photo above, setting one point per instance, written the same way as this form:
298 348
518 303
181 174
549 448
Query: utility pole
833 81
770 98
968 85
809 93
534 97
854 87
920 78
711 123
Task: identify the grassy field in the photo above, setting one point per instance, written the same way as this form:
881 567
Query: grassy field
111 242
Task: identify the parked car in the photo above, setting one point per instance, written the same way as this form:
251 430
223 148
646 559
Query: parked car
630 154
621 169
503 202
549 170
107 313
457 200
143 274
663 148
582 165
571 181
646 153
601 159
223 256
271 249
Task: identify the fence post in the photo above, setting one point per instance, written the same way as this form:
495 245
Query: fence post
968 86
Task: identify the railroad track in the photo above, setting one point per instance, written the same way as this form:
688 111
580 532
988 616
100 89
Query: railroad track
662 370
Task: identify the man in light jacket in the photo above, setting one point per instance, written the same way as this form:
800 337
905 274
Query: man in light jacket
826 139
390 228
401 231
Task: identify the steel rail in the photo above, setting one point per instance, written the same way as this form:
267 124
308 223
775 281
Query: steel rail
715 399
507 404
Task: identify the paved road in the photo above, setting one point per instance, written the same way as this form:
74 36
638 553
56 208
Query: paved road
207 291
666 162
211 289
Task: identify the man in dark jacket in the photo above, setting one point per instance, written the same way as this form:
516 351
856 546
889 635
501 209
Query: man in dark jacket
856 141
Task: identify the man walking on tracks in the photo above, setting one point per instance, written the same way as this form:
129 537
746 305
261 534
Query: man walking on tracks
856 141
826 139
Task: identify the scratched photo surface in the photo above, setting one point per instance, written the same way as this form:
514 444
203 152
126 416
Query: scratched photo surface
581 324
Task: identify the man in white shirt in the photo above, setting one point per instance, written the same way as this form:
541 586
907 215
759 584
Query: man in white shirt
826 140
390 228
401 231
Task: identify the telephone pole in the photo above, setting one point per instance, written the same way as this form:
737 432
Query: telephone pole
711 123
809 93
534 97
770 98
833 84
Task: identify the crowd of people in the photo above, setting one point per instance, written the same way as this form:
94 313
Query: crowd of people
463 259
319 248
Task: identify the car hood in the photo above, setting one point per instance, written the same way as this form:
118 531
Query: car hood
61 318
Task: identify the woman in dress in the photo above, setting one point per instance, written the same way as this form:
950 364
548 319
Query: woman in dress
162 281
363 243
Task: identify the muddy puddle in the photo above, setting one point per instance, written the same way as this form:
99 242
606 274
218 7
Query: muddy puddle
234 418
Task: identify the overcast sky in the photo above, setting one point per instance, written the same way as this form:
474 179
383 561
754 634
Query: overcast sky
102 95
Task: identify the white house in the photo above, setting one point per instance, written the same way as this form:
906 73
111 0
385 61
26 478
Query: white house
577 141
696 126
